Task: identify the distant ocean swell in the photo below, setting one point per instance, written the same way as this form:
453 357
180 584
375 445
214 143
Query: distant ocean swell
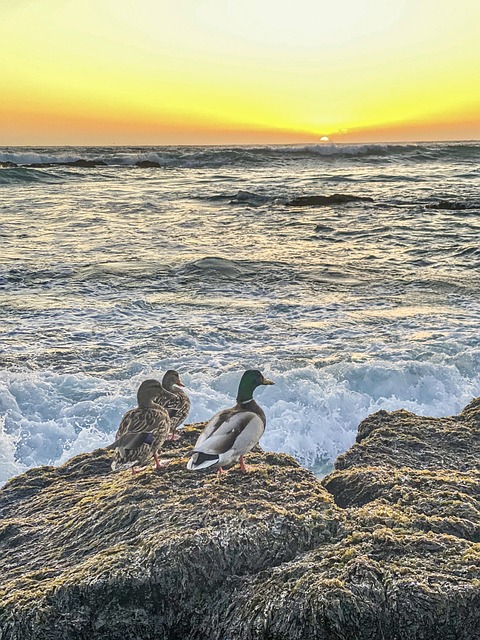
245 276
191 157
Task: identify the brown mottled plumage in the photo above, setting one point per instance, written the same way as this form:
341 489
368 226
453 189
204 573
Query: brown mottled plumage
174 400
143 430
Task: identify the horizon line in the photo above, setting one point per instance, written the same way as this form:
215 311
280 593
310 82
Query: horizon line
245 144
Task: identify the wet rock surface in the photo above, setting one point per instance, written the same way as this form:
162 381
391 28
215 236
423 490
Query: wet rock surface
148 164
453 206
386 547
325 201
73 163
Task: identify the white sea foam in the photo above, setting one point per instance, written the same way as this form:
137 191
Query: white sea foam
9 465
31 157
312 413
332 149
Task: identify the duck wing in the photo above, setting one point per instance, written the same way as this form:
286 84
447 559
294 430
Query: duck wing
141 433
237 431
153 420
132 440
164 398
178 407
215 423
127 423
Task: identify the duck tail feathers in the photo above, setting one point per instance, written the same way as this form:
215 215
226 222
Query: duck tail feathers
121 465
202 461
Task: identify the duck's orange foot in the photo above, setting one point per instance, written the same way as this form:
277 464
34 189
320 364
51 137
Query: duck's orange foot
243 466
136 469
159 464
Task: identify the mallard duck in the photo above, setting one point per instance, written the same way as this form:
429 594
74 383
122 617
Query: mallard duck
174 400
232 433
143 430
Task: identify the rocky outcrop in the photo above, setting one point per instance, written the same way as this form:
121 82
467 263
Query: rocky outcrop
325 201
386 547
147 164
453 206
72 163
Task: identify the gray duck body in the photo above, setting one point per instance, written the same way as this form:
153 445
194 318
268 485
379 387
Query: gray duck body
232 433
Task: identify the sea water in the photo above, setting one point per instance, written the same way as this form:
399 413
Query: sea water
115 272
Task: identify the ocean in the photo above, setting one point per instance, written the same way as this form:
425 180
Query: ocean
118 263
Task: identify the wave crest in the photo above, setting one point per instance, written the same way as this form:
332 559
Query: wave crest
312 413
204 157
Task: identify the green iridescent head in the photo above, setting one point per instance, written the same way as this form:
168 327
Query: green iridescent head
251 379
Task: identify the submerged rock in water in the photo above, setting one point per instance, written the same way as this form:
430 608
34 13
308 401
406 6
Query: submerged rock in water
148 164
70 163
86 163
386 547
324 201
453 206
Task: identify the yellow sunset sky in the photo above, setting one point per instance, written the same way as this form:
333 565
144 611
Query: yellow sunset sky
98 72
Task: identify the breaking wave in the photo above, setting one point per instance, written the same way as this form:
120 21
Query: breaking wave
198 157
312 413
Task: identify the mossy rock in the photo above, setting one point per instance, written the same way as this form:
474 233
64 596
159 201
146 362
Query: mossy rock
385 547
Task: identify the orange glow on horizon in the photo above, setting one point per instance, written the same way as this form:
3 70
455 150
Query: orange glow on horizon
216 72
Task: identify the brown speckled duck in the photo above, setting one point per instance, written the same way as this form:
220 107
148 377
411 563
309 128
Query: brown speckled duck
175 401
232 433
143 430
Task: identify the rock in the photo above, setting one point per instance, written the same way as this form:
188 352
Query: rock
87 552
325 201
145 164
85 163
453 206
386 547
72 163
8 163
412 487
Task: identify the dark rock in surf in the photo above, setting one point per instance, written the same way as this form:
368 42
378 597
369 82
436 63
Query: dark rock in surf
453 206
385 547
73 163
8 163
147 164
324 201
85 163
242 197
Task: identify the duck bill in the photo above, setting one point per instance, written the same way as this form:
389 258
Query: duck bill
265 381
179 383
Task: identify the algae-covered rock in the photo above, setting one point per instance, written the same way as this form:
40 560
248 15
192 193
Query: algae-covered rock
85 552
387 547
324 201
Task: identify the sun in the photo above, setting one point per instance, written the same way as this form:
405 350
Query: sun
324 139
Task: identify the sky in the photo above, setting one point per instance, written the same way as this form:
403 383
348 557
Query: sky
146 72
